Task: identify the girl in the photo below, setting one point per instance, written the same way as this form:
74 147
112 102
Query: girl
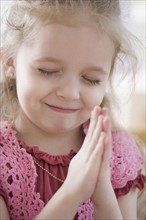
60 158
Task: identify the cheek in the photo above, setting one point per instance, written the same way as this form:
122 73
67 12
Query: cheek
24 85
95 101
95 98
26 90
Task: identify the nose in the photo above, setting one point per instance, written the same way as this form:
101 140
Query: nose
69 90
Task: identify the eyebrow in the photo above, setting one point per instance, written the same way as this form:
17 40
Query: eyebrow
54 60
97 69
48 59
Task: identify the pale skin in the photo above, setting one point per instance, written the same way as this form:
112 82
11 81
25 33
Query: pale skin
65 202
71 89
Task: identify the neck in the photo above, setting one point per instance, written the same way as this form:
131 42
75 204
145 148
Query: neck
52 143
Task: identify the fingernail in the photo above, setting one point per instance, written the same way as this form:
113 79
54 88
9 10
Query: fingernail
103 134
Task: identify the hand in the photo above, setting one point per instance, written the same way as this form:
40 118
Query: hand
103 186
85 166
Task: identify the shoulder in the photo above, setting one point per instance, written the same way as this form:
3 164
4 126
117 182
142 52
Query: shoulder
6 131
124 143
5 125
15 161
11 154
126 161
17 167
8 140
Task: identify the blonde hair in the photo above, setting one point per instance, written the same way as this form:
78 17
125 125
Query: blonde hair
24 17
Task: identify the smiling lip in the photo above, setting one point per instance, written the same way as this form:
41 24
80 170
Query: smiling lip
62 110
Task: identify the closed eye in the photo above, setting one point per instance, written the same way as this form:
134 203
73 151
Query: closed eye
91 81
48 72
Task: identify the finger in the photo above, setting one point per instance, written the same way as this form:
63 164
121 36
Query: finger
97 131
106 155
107 124
106 121
105 111
104 116
93 121
98 151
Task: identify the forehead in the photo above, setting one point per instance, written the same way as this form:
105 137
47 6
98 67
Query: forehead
69 42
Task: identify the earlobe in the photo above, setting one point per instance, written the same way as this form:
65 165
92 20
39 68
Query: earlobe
10 68
10 73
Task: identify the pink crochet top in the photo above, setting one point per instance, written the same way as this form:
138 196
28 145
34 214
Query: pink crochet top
26 188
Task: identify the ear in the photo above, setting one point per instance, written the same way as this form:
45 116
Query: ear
10 68
1 53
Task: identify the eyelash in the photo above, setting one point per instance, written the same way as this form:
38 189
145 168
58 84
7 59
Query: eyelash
89 81
47 73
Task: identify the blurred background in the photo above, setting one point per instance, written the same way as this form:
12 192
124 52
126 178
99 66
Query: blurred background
132 114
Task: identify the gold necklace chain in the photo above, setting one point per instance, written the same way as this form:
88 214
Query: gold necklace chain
55 177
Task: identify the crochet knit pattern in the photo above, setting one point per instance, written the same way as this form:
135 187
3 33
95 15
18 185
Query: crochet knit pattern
18 173
126 161
17 177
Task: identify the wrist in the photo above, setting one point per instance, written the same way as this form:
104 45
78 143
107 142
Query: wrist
110 210
107 206
103 196
62 205
69 194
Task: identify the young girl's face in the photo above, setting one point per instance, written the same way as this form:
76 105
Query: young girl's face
61 75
